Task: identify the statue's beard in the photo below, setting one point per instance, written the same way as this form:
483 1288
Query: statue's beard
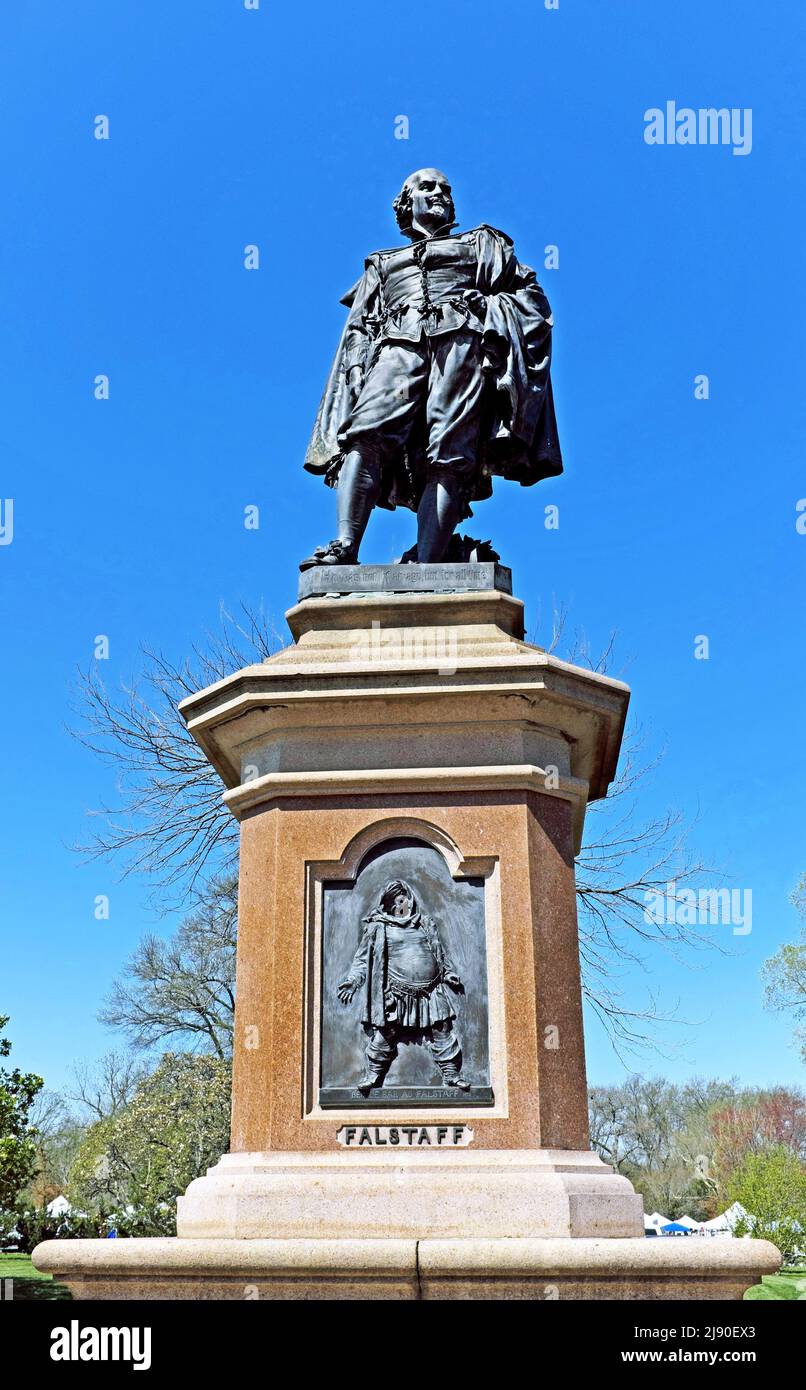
446 220
442 210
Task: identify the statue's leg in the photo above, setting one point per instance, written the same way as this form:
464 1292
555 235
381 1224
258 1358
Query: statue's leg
380 424
455 388
440 511
446 1051
388 406
380 1053
357 492
356 495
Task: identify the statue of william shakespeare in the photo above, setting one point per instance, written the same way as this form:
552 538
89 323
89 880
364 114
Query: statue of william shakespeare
441 380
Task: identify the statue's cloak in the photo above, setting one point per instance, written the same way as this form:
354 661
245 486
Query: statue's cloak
519 431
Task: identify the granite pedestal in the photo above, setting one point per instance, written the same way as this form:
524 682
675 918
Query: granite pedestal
410 726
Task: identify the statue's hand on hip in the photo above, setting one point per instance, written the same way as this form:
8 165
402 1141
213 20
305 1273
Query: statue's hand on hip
475 301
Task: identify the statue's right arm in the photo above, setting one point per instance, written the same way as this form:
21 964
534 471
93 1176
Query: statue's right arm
363 309
359 967
347 987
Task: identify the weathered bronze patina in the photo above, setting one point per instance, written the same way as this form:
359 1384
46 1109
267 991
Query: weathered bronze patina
441 381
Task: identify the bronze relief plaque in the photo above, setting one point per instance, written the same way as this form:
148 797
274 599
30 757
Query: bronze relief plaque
404 1006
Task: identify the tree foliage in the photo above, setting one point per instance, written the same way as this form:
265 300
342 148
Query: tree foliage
657 1134
680 1145
175 1126
756 1122
784 976
18 1139
58 1134
771 1186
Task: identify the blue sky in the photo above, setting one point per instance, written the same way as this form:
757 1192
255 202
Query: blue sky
677 516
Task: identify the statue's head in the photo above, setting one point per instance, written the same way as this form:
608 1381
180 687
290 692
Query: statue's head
397 899
424 204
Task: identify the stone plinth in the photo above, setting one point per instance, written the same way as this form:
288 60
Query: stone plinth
541 1270
420 717
391 579
368 1194
414 728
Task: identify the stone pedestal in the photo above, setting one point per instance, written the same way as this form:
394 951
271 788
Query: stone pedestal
682 1268
411 735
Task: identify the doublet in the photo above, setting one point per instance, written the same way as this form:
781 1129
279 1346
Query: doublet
413 292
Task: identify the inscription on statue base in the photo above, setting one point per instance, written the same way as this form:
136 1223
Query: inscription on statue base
411 1136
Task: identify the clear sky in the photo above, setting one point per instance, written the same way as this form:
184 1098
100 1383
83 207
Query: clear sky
276 126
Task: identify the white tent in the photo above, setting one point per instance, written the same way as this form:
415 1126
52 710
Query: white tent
688 1223
723 1225
59 1206
655 1221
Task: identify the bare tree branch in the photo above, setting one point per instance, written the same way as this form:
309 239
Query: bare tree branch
171 825
106 1087
170 822
183 987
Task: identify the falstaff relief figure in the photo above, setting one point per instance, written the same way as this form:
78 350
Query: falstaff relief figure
402 971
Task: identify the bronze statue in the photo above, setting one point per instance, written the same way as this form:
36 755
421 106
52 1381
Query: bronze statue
401 969
441 379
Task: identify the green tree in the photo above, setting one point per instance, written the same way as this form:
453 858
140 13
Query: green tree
659 1136
771 1186
18 1146
784 975
175 1127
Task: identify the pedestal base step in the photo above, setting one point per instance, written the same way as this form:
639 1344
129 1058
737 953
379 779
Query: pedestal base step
638 1268
402 1193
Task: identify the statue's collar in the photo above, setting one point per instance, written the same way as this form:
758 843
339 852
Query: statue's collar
434 236
444 234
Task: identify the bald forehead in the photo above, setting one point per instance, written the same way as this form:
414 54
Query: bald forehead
427 176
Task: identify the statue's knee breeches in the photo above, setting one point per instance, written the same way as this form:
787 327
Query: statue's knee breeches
443 1041
455 393
382 1045
394 389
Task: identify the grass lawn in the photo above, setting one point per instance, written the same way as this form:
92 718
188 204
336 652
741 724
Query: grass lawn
26 1282
789 1284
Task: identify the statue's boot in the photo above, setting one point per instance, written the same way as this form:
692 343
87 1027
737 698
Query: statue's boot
441 508
380 1053
374 1075
357 492
452 1073
334 553
368 1080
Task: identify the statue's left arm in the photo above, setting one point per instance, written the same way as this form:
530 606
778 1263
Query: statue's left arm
448 971
517 336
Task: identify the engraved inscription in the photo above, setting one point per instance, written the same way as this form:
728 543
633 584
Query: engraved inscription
442 578
411 1136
